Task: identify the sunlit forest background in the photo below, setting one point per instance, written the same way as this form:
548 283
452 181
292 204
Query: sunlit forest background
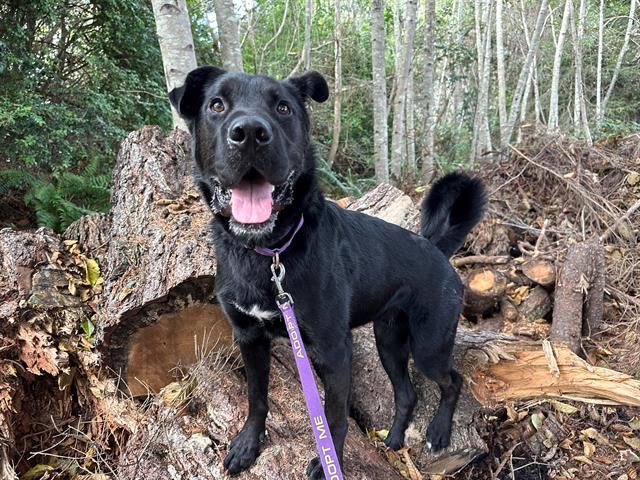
459 77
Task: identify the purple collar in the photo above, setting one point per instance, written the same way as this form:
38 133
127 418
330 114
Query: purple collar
272 252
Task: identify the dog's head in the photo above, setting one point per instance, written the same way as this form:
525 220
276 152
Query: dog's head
251 141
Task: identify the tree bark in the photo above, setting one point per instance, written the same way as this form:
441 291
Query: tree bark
623 51
227 22
579 294
552 123
428 158
380 128
176 45
599 115
337 88
502 83
397 138
581 120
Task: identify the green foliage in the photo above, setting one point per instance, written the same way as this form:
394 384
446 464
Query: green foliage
62 198
76 78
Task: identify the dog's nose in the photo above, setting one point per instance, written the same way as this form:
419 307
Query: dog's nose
247 131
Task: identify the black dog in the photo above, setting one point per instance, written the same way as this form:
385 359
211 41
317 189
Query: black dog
255 166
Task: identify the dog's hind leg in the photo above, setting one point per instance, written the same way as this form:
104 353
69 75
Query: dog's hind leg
393 348
431 345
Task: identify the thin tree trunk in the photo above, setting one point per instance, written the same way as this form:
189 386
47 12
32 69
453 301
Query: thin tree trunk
599 67
428 158
582 123
502 83
279 31
337 95
534 70
481 140
516 103
308 15
410 119
552 124
229 36
176 45
623 51
380 128
397 137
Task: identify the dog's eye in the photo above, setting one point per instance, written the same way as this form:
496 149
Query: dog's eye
283 109
216 105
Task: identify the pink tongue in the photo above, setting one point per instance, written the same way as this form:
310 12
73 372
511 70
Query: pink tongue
251 201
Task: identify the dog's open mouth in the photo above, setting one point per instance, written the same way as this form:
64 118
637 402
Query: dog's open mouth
252 204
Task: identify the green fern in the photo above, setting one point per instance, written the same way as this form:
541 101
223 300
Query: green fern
62 199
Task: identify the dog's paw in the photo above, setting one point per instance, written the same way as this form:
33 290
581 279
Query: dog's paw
438 434
243 451
314 470
394 440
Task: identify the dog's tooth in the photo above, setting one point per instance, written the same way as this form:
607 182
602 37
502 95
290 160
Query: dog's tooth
429 445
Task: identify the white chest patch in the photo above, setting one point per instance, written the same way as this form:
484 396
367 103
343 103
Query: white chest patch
256 312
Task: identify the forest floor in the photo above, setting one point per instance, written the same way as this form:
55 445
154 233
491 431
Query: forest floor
579 191
549 192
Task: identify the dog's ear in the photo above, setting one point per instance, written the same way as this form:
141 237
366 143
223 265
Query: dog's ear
311 85
187 99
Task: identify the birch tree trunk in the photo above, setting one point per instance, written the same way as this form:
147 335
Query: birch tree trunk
516 103
623 51
502 84
337 95
599 67
428 158
581 121
552 124
397 138
380 128
481 140
306 51
176 45
411 127
229 36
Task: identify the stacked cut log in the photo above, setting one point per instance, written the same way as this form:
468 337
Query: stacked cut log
511 292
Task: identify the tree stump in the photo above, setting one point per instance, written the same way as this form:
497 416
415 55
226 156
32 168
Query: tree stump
579 294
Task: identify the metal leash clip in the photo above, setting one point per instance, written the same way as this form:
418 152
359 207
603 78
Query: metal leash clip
277 278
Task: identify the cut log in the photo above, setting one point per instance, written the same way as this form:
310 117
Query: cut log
579 294
540 271
508 310
483 290
536 305
390 204
160 261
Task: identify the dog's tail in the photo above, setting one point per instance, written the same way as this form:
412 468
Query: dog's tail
455 204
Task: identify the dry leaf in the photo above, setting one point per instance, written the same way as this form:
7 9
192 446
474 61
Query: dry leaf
589 448
564 407
633 442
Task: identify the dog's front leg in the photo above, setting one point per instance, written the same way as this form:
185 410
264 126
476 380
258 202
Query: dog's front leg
332 360
244 448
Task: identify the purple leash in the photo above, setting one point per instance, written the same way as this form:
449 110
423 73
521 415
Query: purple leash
324 442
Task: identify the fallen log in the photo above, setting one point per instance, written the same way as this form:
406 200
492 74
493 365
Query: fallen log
529 373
